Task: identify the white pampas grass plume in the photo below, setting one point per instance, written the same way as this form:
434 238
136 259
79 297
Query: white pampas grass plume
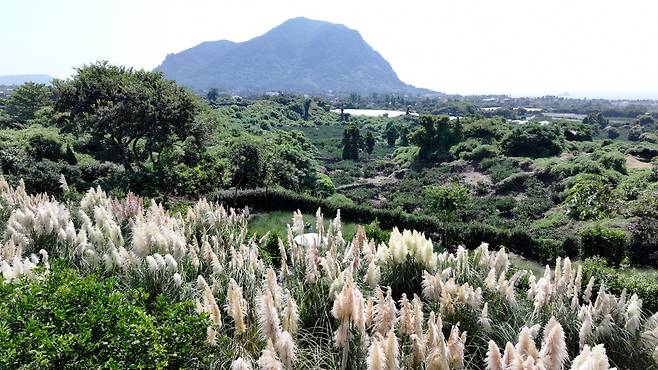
376 357
432 286
152 265
392 351
178 280
526 346
241 364
418 316
494 359
554 348
406 316
417 349
373 274
585 328
501 262
172 265
437 359
484 321
268 359
286 348
236 306
587 295
211 307
591 359
456 344
274 288
268 318
211 335
290 314
633 314
508 355
385 311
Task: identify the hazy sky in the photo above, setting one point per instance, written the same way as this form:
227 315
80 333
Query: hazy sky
519 47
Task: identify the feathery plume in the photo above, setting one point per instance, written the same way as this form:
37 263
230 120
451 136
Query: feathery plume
236 306
494 359
241 364
268 359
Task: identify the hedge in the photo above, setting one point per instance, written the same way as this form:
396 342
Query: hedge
469 234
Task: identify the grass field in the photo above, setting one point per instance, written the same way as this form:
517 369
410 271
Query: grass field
277 220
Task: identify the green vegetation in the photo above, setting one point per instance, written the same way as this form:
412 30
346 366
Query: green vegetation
73 321
544 177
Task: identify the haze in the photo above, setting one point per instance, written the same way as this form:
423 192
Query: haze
585 48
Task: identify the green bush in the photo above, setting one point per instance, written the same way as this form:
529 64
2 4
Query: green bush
643 246
532 140
600 241
547 250
69 321
40 146
644 285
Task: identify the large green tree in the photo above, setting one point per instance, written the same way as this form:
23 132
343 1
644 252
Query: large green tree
352 142
26 100
135 114
435 136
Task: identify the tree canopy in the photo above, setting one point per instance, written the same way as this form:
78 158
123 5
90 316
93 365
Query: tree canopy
26 101
135 114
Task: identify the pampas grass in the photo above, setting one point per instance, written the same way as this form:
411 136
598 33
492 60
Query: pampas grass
383 306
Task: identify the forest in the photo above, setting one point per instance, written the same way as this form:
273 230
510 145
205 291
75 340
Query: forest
186 229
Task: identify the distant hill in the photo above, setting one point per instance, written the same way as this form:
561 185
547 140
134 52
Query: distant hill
21 79
301 55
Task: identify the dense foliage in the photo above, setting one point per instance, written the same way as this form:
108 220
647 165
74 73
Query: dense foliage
402 303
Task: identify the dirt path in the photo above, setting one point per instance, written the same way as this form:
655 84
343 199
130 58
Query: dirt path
372 182
633 162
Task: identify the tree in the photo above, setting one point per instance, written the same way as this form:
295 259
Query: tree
613 133
646 120
26 100
247 165
135 114
404 136
307 108
369 143
435 137
533 141
446 200
352 142
589 197
391 134
596 120
634 133
212 95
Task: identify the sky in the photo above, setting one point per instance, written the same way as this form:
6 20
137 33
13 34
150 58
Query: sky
598 48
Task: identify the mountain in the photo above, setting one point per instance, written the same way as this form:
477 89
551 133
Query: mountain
21 79
300 55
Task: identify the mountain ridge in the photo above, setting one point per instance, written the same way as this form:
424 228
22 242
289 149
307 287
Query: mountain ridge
23 78
300 55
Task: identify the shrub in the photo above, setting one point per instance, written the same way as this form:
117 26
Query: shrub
324 187
613 133
547 250
588 198
610 244
643 246
514 182
374 231
85 322
644 285
480 152
532 140
41 146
